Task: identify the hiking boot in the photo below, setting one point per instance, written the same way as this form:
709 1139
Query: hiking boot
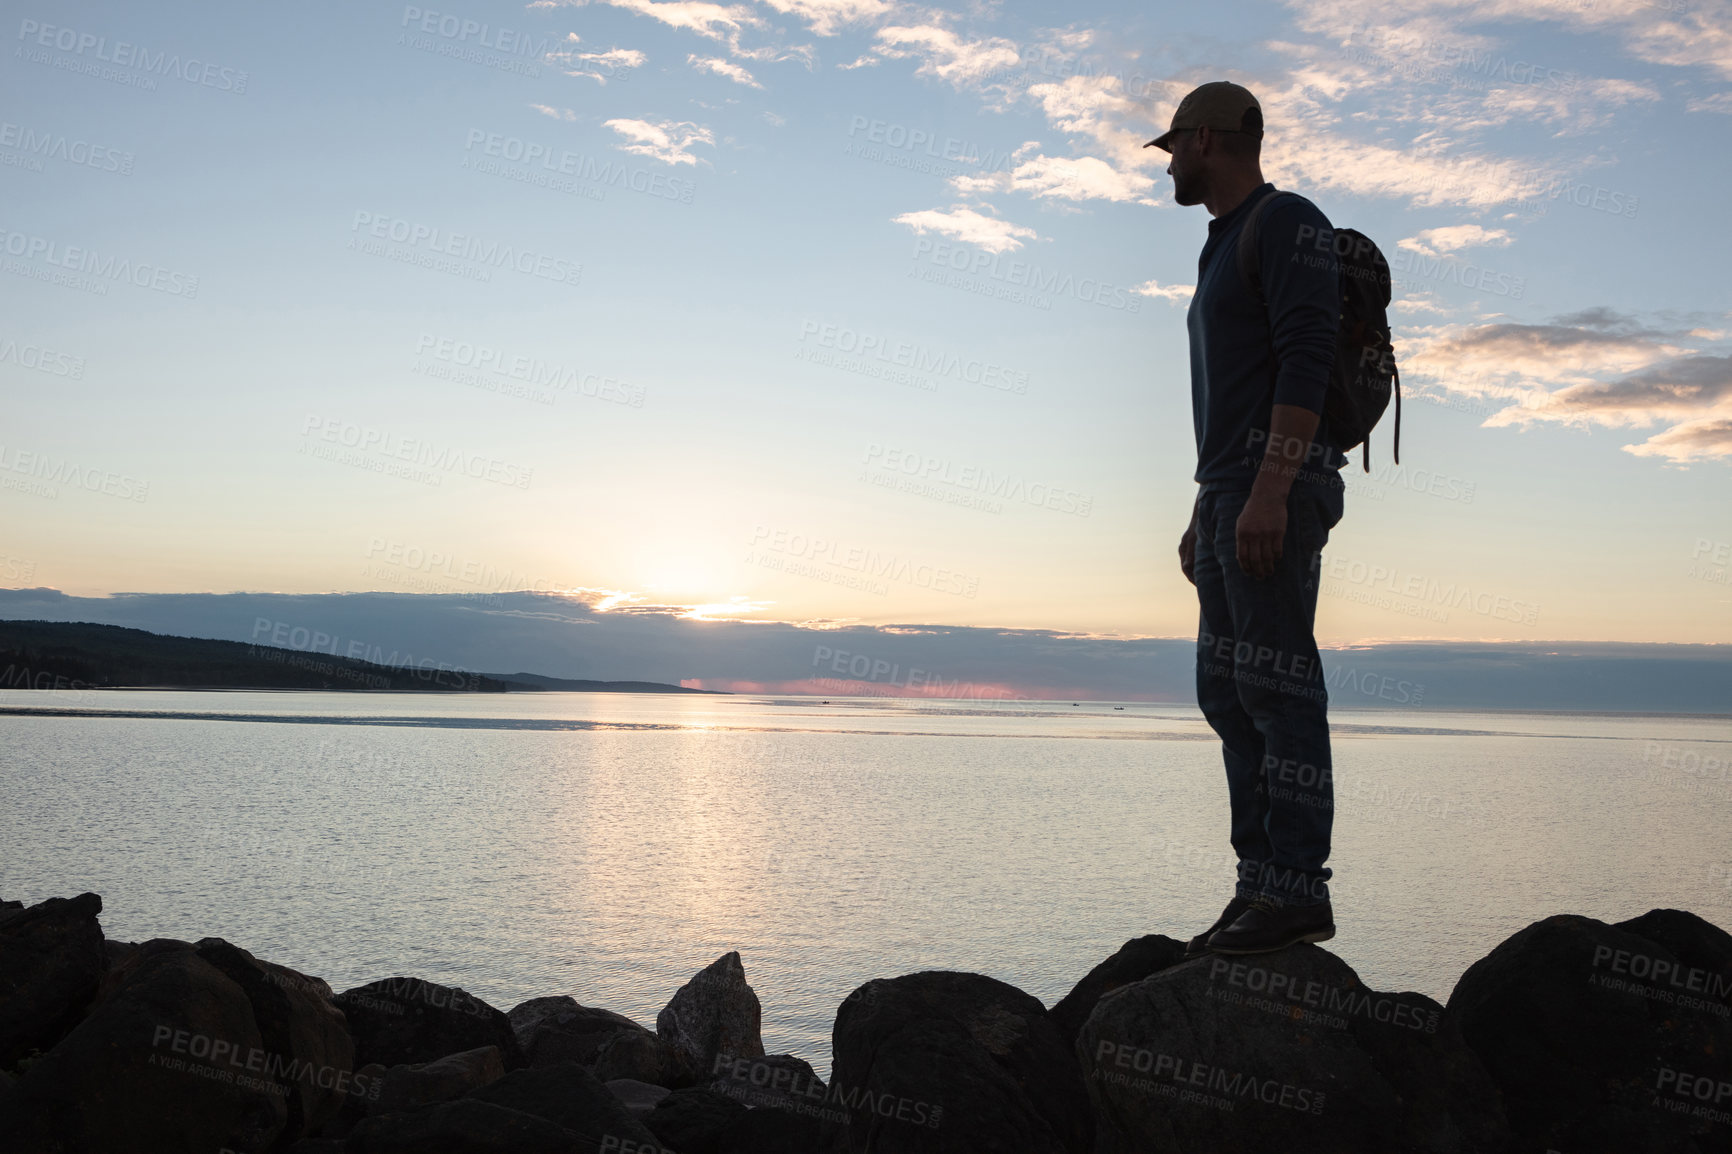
1199 945
1266 927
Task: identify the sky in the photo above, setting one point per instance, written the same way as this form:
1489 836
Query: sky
847 312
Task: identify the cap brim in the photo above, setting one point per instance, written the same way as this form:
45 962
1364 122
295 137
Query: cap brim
1162 142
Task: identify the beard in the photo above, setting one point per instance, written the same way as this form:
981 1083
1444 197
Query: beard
1187 189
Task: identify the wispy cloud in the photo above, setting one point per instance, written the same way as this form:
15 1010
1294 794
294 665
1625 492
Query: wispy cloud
668 141
1454 238
970 227
1596 367
946 54
714 21
1176 293
723 68
828 17
598 66
1697 34
1063 178
555 113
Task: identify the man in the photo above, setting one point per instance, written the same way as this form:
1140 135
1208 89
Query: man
1262 349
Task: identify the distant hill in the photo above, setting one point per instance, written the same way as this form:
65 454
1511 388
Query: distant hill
81 655
58 655
570 685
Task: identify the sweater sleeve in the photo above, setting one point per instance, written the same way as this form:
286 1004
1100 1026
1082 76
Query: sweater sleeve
1301 285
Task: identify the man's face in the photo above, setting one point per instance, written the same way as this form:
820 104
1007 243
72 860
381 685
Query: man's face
1184 169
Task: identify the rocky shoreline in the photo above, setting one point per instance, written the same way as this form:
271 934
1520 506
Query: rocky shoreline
1574 1036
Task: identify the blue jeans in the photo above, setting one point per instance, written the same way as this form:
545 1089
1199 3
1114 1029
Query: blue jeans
1260 685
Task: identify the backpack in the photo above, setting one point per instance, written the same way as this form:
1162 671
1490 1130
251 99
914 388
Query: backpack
1364 375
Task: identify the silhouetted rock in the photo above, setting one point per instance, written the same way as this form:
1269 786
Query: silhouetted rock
638 1097
365 1090
1136 960
942 1061
429 1083
553 1030
714 1013
773 1080
769 1130
407 1021
316 1146
169 1058
693 1121
116 953
51 963
301 1027
1608 1038
1284 1051
570 1096
642 1057
466 1126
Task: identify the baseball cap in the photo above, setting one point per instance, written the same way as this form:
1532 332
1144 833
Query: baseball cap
1220 105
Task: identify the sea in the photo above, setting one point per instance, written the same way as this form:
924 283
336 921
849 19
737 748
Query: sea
609 846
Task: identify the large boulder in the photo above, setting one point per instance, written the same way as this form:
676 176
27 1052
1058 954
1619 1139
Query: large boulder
694 1120
570 1096
952 1062
558 1029
1135 960
169 1058
466 1126
770 1130
641 1056
51 963
406 1021
638 1097
306 1041
1286 1051
446 1080
779 1080
1608 1037
714 1013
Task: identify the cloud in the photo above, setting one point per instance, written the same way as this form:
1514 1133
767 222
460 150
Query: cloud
1597 367
1683 385
1697 34
723 68
946 55
1454 238
598 66
1720 102
1176 293
970 227
713 21
827 17
663 140
1098 109
1708 439
1063 178
556 113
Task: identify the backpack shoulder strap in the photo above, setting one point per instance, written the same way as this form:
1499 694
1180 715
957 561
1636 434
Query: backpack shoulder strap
1250 270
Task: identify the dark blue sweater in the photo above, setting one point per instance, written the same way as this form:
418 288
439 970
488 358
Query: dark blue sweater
1247 357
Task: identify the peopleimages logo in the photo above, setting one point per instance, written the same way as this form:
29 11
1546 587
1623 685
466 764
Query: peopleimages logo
465 247
89 46
39 146
83 261
1013 277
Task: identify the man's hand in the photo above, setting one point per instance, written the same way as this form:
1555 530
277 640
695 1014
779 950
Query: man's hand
1188 545
1261 527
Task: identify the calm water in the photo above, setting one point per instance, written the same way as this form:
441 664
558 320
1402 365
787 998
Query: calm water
608 846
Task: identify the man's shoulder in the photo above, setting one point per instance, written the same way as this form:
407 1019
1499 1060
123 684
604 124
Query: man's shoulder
1288 206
